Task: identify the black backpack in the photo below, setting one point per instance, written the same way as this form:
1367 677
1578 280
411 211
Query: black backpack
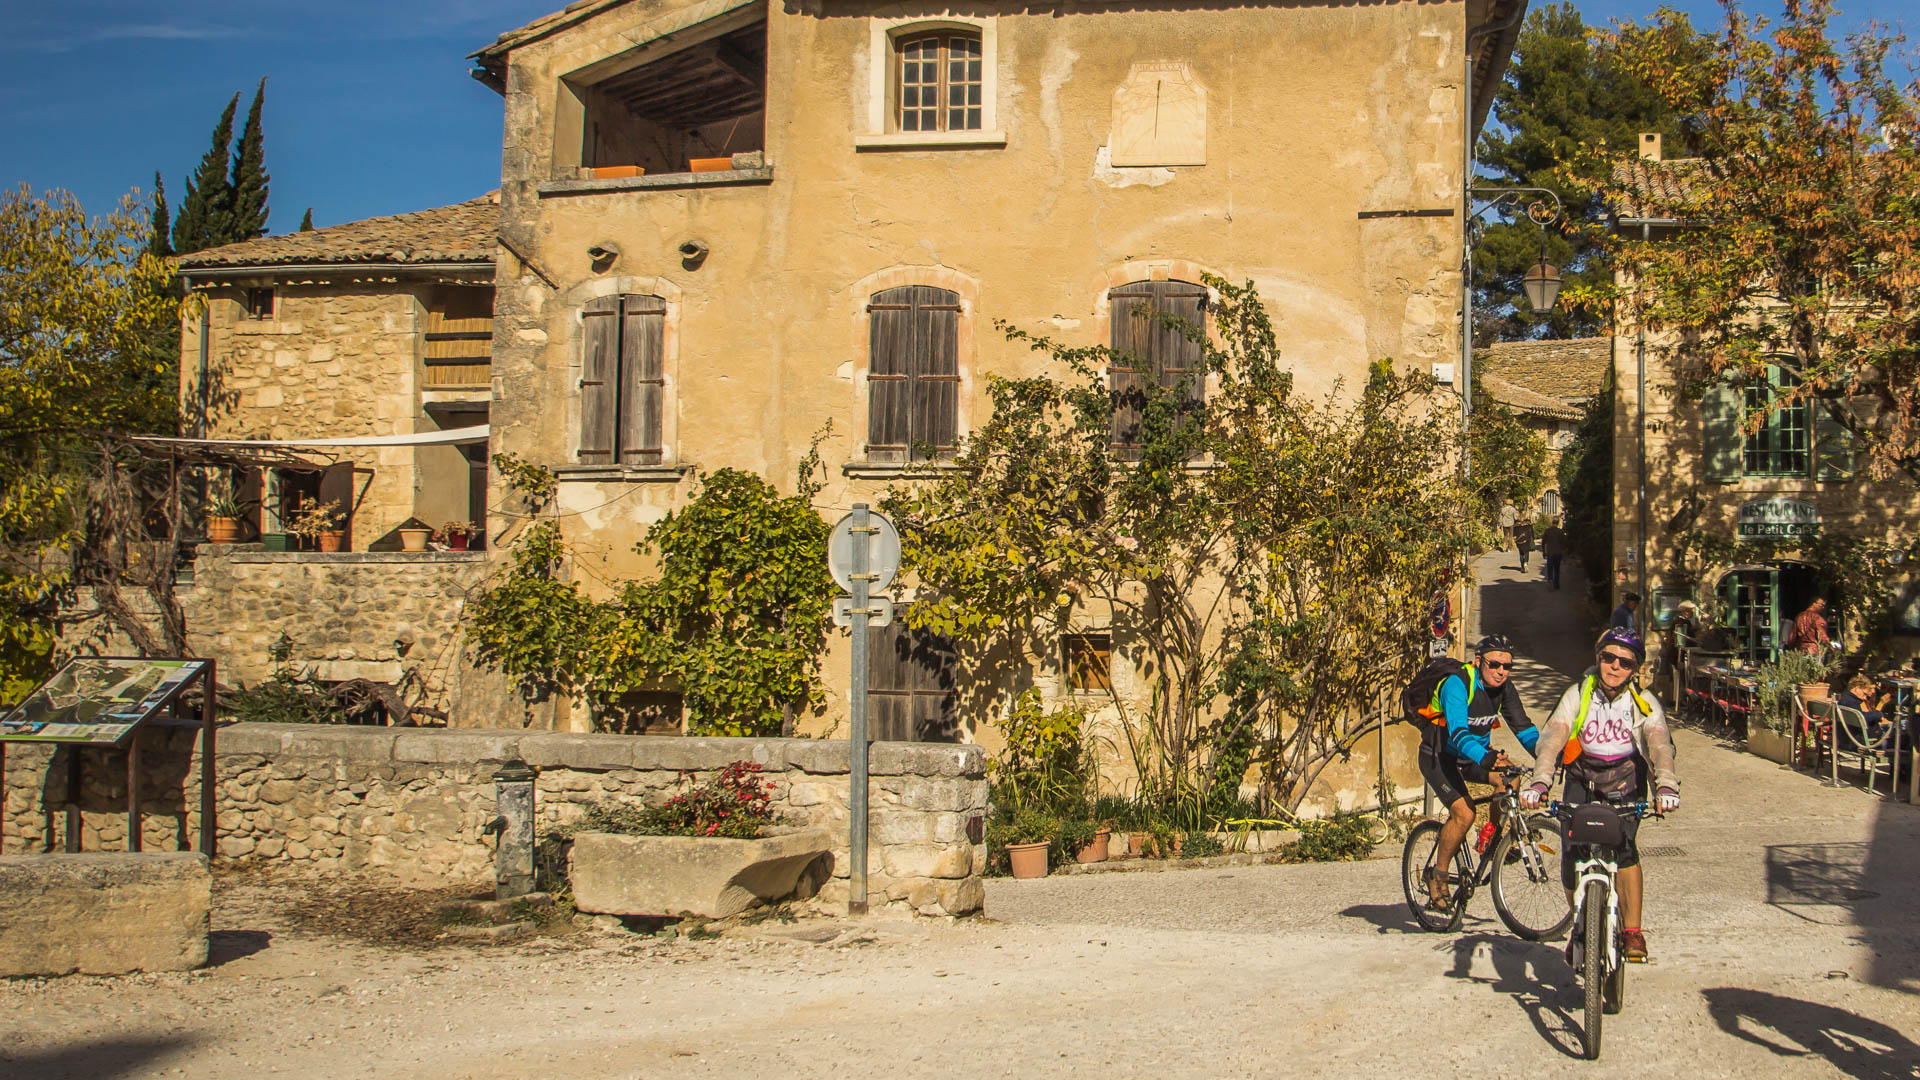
1416 701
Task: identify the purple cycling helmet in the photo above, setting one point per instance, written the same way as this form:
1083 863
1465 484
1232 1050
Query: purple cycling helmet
1626 639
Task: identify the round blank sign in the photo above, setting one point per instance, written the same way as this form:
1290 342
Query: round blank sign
883 552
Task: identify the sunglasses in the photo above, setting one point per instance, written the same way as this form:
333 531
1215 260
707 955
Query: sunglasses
1618 660
1495 665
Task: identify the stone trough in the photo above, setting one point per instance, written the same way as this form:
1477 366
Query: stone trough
710 877
103 913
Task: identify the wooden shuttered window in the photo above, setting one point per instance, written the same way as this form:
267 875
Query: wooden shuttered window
459 337
913 373
1833 445
1722 412
1163 355
622 380
911 676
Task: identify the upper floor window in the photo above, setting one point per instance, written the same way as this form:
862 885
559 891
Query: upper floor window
939 82
622 380
1779 447
459 336
913 373
1746 431
258 303
1149 321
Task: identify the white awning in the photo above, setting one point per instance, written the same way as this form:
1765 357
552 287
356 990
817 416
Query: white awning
450 437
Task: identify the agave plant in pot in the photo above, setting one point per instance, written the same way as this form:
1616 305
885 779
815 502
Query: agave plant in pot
225 511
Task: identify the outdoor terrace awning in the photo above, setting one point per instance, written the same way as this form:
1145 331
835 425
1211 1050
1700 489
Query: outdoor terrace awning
476 433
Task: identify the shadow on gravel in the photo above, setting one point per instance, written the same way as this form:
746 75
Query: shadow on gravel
101 1060
226 946
1390 918
1856 1046
1535 975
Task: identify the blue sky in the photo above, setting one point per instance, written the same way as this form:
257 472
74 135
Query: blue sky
369 107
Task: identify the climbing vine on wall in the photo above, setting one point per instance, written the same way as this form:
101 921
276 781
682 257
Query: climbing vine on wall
735 619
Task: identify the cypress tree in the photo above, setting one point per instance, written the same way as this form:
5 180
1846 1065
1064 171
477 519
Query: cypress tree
249 216
306 220
159 243
204 213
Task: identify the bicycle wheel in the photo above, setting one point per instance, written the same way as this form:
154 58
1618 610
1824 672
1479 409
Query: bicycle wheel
1526 880
1594 910
1423 846
1614 996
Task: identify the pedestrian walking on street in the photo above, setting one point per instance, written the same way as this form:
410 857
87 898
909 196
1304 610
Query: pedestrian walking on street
1625 617
1507 517
1553 548
1523 539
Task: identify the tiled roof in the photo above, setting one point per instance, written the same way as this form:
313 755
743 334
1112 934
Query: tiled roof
1550 378
1660 187
463 232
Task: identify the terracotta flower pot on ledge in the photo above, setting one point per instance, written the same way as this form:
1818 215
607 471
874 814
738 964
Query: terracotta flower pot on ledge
1096 849
331 541
1028 860
223 530
709 164
414 539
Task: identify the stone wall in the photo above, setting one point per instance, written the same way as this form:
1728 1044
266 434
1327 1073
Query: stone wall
412 804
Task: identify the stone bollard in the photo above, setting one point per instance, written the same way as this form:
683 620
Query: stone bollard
513 850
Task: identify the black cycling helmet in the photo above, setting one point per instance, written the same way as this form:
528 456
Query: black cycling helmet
1493 643
1624 638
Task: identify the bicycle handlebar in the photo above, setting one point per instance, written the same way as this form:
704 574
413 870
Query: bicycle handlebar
1641 809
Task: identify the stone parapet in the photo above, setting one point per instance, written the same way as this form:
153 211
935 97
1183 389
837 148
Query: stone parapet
414 803
103 914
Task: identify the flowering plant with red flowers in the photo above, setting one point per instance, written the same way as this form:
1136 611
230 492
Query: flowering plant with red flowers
737 803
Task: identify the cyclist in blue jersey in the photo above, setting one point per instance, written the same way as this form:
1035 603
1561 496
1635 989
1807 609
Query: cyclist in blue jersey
1455 746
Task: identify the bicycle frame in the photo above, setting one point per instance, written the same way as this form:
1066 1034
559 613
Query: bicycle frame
1604 871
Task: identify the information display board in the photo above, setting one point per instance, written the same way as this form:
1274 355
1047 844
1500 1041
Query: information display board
98 700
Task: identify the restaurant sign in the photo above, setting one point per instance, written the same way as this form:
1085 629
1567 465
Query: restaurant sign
1775 518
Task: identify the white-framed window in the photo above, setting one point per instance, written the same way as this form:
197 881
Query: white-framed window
932 83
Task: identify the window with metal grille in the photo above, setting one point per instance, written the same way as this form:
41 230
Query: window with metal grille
622 380
1088 662
913 373
459 337
1780 446
938 82
1149 324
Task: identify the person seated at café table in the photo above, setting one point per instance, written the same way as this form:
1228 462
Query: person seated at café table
1872 701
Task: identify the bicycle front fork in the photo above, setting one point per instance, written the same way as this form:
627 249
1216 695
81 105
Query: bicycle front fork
1576 935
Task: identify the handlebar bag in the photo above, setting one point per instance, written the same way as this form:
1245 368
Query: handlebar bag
1598 824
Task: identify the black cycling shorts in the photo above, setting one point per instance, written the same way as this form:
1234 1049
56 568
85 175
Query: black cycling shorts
1448 775
1576 792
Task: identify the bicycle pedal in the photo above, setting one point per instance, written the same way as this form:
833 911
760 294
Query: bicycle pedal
1636 959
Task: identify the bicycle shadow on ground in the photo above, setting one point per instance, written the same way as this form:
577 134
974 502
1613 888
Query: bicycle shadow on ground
1854 1045
1536 976
1387 918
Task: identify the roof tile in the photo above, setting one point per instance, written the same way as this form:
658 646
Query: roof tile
463 232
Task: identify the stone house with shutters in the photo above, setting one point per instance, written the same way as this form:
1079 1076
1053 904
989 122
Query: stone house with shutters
1548 385
1730 464
726 226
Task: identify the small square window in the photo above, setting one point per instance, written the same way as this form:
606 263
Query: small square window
1088 661
259 303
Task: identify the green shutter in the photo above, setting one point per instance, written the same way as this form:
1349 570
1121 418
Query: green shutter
1832 445
1721 411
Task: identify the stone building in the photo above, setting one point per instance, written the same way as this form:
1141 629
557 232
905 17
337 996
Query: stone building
1697 464
1548 385
722 225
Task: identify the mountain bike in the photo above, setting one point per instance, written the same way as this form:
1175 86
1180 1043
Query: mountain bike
1522 865
1596 951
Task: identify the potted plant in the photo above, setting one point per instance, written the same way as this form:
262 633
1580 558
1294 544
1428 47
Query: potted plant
316 523
225 511
1783 686
414 537
1085 841
1029 836
458 534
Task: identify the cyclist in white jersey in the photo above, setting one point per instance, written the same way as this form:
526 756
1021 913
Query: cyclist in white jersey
1610 737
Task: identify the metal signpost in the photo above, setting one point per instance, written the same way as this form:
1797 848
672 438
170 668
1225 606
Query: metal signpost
863 554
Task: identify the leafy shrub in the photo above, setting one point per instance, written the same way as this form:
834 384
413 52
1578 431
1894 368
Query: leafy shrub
1198 845
735 804
1344 837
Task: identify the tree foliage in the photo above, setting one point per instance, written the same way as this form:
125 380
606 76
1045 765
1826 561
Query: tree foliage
735 619
1586 491
1263 566
248 180
1800 237
1561 91
201 221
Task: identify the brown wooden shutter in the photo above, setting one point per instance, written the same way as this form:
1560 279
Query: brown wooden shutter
1181 361
889 373
642 330
910 684
336 487
1132 336
250 487
936 374
599 370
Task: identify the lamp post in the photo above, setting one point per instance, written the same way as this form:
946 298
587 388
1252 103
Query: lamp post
1541 283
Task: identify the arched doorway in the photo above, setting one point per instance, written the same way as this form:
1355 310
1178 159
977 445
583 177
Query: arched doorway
1761 601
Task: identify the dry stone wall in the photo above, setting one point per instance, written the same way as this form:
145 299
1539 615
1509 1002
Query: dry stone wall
413 804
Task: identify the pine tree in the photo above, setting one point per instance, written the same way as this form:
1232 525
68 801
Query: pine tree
205 212
306 220
249 183
1559 92
159 242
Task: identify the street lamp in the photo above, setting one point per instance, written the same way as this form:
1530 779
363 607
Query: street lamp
1541 284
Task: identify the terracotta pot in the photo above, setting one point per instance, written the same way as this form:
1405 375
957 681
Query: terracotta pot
1178 840
414 539
1096 849
459 541
616 172
1028 860
1137 844
1813 691
331 541
709 164
223 530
